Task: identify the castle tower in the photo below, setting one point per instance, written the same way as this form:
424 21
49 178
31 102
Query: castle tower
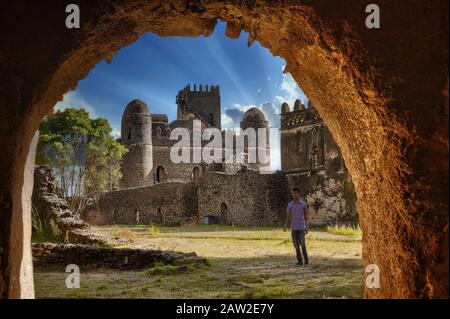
136 135
204 103
254 118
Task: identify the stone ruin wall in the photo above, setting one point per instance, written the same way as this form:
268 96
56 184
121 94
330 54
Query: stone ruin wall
91 257
52 215
251 198
166 203
330 197
181 172
313 162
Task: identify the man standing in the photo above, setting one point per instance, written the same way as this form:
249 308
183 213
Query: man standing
297 214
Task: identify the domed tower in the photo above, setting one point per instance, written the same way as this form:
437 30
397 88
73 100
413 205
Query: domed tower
136 135
254 118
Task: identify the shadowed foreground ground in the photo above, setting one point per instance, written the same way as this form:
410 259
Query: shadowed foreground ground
243 262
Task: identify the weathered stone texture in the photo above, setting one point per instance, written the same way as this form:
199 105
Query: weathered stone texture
136 135
313 163
169 203
51 212
87 257
250 198
204 102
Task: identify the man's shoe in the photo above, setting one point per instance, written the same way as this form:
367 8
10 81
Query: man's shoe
299 263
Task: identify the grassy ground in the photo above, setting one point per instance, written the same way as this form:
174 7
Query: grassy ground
243 262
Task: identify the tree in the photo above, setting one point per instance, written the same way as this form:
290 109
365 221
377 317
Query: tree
84 156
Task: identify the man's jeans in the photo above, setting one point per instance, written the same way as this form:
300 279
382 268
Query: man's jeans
298 238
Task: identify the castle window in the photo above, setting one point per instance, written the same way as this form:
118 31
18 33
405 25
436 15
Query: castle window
136 216
159 215
160 175
195 175
129 134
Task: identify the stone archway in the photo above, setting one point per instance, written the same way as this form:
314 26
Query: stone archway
382 92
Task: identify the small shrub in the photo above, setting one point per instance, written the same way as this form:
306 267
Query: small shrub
153 230
345 230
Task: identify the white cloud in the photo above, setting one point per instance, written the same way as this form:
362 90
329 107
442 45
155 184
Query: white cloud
73 99
291 91
115 133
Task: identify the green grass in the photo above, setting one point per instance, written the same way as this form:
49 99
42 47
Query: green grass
345 230
42 236
160 268
243 262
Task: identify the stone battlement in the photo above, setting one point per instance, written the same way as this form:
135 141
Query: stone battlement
202 90
300 116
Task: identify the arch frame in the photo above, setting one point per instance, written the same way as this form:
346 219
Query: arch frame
383 94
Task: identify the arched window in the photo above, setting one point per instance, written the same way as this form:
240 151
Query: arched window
160 174
223 208
136 216
159 216
223 217
195 175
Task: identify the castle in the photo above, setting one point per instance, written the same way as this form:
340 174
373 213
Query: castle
154 189
147 137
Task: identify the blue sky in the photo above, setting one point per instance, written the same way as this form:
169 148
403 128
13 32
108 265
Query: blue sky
155 68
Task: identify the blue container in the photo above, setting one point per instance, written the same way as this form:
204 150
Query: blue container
209 220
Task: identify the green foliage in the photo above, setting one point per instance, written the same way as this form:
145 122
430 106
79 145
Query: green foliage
159 268
153 230
84 156
40 234
345 230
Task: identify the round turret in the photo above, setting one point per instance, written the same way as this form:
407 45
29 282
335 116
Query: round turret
136 135
136 124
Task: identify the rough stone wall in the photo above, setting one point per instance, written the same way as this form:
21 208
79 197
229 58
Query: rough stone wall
331 197
168 203
51 213
313 163
251 198
180 172
87 256
367 84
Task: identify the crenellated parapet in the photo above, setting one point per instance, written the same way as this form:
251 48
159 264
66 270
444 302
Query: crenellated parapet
203 89
300 116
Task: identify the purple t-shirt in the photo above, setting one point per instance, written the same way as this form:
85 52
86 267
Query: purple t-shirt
297 209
